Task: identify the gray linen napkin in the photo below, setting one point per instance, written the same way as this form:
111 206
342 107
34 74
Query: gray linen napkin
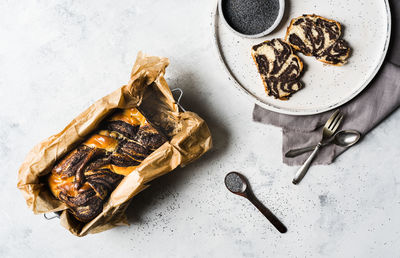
362 113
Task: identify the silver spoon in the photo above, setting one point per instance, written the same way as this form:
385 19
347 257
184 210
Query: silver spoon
345 138
237 184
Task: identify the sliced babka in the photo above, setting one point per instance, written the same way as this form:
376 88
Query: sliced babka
279 68
316 36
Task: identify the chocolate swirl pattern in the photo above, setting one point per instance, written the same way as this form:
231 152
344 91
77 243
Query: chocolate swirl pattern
279 68
85 177
320 37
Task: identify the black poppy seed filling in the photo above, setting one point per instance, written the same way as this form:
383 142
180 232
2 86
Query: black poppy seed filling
250 17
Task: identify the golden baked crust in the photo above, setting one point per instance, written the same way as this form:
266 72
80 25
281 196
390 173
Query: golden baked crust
317 36
278 67
86 176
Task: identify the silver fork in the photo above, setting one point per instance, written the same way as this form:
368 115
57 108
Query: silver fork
329 129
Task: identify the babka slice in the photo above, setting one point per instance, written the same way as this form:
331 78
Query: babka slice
316 36
279 68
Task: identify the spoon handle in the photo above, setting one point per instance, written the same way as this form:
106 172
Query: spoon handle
267 213
297 152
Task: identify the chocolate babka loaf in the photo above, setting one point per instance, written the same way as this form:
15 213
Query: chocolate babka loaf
85 177
320 37
279 68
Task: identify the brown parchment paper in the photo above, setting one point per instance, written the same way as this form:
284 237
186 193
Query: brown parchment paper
189 138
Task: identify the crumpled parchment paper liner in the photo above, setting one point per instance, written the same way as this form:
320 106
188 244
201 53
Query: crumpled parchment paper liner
189 138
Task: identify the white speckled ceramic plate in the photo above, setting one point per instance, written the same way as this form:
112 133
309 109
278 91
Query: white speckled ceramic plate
367 26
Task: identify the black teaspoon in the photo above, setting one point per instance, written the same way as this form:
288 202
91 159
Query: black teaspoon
238 184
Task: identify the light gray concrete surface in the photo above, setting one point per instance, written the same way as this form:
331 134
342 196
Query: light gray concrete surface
58 57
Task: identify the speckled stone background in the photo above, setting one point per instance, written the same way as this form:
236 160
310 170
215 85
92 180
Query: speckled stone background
58 57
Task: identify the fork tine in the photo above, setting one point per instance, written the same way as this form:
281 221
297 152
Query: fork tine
331 118
337 124
332 124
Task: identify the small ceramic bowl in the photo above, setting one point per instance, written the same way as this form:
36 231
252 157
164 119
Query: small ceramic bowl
264 33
